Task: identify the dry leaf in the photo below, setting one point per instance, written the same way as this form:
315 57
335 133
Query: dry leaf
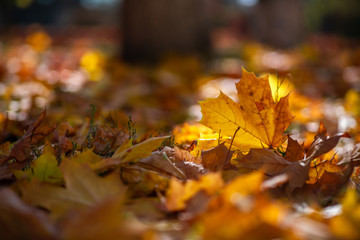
131 154
104 221
33 136
264 160
83 189
20 221
318 170
214 159
179 193
323 143
190 169
294 151
159 162
257 118
44 168
181 155
274 164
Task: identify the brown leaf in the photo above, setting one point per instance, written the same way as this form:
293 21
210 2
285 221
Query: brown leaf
265 160
294 151
169 161
65 145
6 170
104 140
65 129
181 155
33 136
351 157
318 170
20 221
191 170
274 164
330 184
297 173
323 143
215 158
5 149
159 162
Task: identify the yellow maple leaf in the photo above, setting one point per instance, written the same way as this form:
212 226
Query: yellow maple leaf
257 119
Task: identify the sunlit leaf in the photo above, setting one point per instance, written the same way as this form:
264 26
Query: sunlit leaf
258 120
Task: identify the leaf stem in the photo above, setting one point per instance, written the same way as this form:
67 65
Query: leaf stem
231 143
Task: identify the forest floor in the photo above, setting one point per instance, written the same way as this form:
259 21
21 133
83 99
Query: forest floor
256 143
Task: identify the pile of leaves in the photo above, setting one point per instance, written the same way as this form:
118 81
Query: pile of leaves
236 176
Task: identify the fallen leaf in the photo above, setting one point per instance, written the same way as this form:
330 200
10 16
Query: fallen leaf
181 155
330 184
87 156
104 139
318 170
83 189
21 221
297 173
159 162
190 169
186 133
179 193
125 145
294 151
141 150
258 120
323 143
33 136
132 154
65 145
263 159
169 162
214 159
273 164
45 168
142 182
105 221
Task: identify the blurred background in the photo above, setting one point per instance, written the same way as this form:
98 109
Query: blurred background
154 59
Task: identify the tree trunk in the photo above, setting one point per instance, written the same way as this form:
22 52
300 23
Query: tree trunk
152 28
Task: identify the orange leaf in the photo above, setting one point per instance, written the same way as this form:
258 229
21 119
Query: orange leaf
259 119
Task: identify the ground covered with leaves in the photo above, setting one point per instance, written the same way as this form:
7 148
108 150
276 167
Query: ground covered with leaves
92 148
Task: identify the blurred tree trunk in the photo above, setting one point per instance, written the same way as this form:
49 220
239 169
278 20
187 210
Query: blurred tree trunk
279 22
152 28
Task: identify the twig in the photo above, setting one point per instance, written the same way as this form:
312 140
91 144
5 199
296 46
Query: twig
228 153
